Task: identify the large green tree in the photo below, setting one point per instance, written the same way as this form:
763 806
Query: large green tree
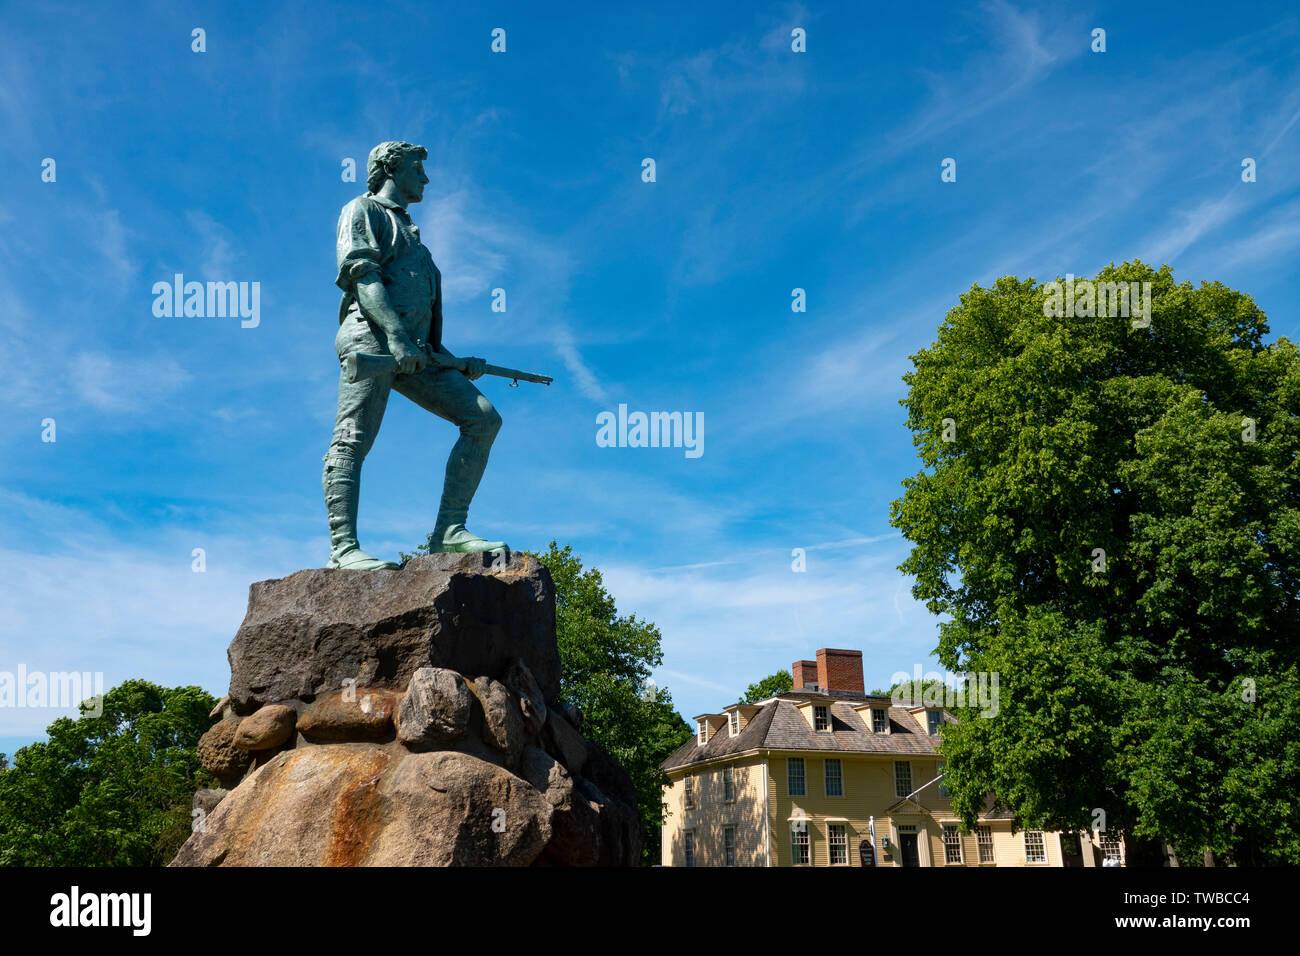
1108 516
770 686
605 664
108 790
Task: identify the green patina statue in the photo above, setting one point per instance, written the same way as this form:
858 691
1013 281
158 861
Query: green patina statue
392 305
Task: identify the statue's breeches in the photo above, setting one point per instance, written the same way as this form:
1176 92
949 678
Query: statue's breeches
445 392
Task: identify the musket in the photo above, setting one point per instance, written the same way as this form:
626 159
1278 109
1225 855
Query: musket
358 366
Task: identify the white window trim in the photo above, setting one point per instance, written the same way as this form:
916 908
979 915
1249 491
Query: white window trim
830 842
872 715
701 733
829 723
961 849
1043 838
733 723
803 823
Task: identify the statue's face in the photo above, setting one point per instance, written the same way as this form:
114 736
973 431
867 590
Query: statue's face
410 179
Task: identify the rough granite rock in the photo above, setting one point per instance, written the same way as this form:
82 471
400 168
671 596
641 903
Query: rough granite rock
218 754
355 713
587 829
565 742
452 749
207 800
362 805
266 729
503 717
436 708
571 713
531 702
305 634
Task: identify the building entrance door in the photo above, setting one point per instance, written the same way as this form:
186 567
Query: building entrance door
907 846
1071 850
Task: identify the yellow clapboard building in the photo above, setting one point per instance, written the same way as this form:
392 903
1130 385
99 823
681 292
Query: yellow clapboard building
827 775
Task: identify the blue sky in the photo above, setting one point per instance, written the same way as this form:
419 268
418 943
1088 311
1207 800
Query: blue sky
775 170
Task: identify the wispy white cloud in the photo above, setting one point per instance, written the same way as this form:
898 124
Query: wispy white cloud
738 624
110 237
584 377
84 593
114 384
217 256
1207 218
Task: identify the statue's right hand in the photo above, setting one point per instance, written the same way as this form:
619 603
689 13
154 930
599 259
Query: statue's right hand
409 358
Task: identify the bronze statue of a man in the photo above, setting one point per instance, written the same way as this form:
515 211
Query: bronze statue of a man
392 303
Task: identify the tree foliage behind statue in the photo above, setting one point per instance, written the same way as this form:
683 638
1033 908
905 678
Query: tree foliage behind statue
1115 529
112 790
605 664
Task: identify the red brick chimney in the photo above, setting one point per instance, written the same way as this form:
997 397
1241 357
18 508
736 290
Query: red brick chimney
805 673
839 669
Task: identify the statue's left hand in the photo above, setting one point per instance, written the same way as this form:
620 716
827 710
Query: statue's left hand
475 368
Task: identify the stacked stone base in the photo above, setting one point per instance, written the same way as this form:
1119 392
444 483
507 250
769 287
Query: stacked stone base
424 764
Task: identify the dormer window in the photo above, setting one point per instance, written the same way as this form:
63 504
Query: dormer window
934 718
733 722
879 720
822 718
701 732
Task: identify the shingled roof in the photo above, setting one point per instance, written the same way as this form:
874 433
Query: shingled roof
780 726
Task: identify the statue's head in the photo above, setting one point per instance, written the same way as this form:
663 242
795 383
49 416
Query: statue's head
402 163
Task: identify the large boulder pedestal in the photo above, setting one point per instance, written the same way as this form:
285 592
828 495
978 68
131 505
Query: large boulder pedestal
406 718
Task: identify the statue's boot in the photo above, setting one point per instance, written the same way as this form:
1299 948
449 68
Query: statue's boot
465 468
342 484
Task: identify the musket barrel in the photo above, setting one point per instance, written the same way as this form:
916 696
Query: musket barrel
358 366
